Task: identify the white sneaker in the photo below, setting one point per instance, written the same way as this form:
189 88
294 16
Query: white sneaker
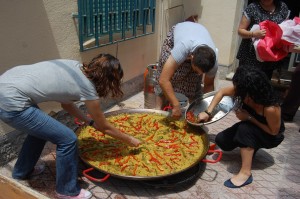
84 194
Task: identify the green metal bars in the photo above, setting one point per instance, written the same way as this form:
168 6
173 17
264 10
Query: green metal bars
104 22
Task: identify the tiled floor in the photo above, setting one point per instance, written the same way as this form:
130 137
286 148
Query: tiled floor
276 172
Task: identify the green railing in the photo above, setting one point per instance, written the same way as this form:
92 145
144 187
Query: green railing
104 22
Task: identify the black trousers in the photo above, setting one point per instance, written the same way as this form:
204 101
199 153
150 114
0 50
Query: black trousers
291 102
245 134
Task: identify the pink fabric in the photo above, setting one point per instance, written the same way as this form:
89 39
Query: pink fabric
272 47
296 20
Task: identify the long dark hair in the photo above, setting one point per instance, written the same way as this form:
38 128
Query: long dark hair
106 73
252 82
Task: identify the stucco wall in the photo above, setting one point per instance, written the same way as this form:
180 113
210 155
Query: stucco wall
33 31
220 17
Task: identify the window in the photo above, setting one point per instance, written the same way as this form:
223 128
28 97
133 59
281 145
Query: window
104 22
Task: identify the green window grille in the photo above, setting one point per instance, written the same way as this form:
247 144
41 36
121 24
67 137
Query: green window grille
104 22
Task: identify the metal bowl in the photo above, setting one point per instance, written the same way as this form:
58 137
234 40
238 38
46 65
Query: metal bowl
201 104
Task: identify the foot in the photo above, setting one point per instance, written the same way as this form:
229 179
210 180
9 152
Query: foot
38 169
236 182
84 194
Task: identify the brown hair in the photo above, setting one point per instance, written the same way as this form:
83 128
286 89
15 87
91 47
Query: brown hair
106 73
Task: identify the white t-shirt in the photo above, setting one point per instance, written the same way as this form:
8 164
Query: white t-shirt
58 80
187 37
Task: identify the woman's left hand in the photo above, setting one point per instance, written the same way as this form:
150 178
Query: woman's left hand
242 114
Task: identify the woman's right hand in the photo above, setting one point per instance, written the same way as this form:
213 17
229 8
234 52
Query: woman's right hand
203 117
259 33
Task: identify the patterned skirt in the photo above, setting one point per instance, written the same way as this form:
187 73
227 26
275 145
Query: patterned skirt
185 80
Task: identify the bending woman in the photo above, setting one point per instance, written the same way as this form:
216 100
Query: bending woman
260 114
64 81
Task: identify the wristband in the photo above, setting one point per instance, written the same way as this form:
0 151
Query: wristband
208 113
249 117
91 123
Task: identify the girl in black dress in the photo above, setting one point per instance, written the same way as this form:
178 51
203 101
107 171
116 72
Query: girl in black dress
260 114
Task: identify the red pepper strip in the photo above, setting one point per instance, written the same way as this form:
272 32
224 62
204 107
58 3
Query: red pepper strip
192 138
159 168
137 127
156 125
100 134
169 165
158 155
134 158
173 133
126 161
191 117
157 144
118 160
150 138
192 143
189 151
124 167
173 160
141 117
91 131
146 167
135 168
187 146
103 163
172 154
168 141
124 118
172 146
154 159
176 131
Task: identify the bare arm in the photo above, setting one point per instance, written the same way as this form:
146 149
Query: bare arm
74 110
166 86
246 34
101 124
273 117
294 49
208 84
226 91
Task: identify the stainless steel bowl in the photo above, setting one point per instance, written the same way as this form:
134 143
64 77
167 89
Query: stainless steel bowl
201 104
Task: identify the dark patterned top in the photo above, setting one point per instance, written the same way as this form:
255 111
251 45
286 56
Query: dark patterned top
256 14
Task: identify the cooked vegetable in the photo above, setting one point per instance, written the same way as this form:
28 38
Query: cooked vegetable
168 147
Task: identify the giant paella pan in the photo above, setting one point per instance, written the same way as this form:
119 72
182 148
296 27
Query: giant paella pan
169 147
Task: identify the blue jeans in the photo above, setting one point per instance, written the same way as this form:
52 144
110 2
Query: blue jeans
40 128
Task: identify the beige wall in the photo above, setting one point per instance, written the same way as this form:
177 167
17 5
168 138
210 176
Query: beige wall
220 17
34 30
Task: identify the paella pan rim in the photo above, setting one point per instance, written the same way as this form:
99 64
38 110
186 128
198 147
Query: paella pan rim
131 177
